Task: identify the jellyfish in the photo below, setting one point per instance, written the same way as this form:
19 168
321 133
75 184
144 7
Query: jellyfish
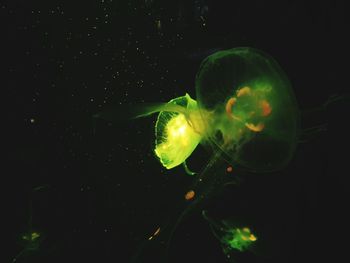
30 241
245 113
234 238
32 238
245 234
245 110
248 109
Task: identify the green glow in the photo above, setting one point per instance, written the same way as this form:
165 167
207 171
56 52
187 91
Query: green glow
31 236
239 238
254 117
176 138
245 108
230 236
187 170
245 113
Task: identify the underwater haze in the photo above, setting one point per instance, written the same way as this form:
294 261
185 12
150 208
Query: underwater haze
174 131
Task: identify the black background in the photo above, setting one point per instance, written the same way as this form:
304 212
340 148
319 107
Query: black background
102 192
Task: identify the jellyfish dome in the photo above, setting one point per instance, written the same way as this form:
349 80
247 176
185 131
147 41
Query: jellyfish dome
248 108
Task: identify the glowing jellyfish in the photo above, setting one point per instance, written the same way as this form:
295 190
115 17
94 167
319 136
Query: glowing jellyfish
31 240
232 237
255 228
176 137
245 109
248 108
245 112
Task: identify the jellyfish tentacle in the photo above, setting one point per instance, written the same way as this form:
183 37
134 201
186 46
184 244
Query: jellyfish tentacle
188 170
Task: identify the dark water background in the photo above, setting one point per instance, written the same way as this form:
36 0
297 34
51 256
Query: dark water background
101 191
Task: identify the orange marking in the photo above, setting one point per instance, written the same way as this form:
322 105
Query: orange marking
266 108
255 128
229 169
229 105
228 108
189 195
243 91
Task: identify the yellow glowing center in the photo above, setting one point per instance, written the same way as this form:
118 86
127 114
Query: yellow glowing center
177 129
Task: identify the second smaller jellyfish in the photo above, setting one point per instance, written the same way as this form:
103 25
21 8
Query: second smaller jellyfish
232 238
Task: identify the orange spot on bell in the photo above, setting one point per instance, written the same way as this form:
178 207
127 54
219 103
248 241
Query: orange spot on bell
255 128
229 105
228 108
243 91
189 195
266 108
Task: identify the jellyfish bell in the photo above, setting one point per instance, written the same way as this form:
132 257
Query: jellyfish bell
177 132
256 121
